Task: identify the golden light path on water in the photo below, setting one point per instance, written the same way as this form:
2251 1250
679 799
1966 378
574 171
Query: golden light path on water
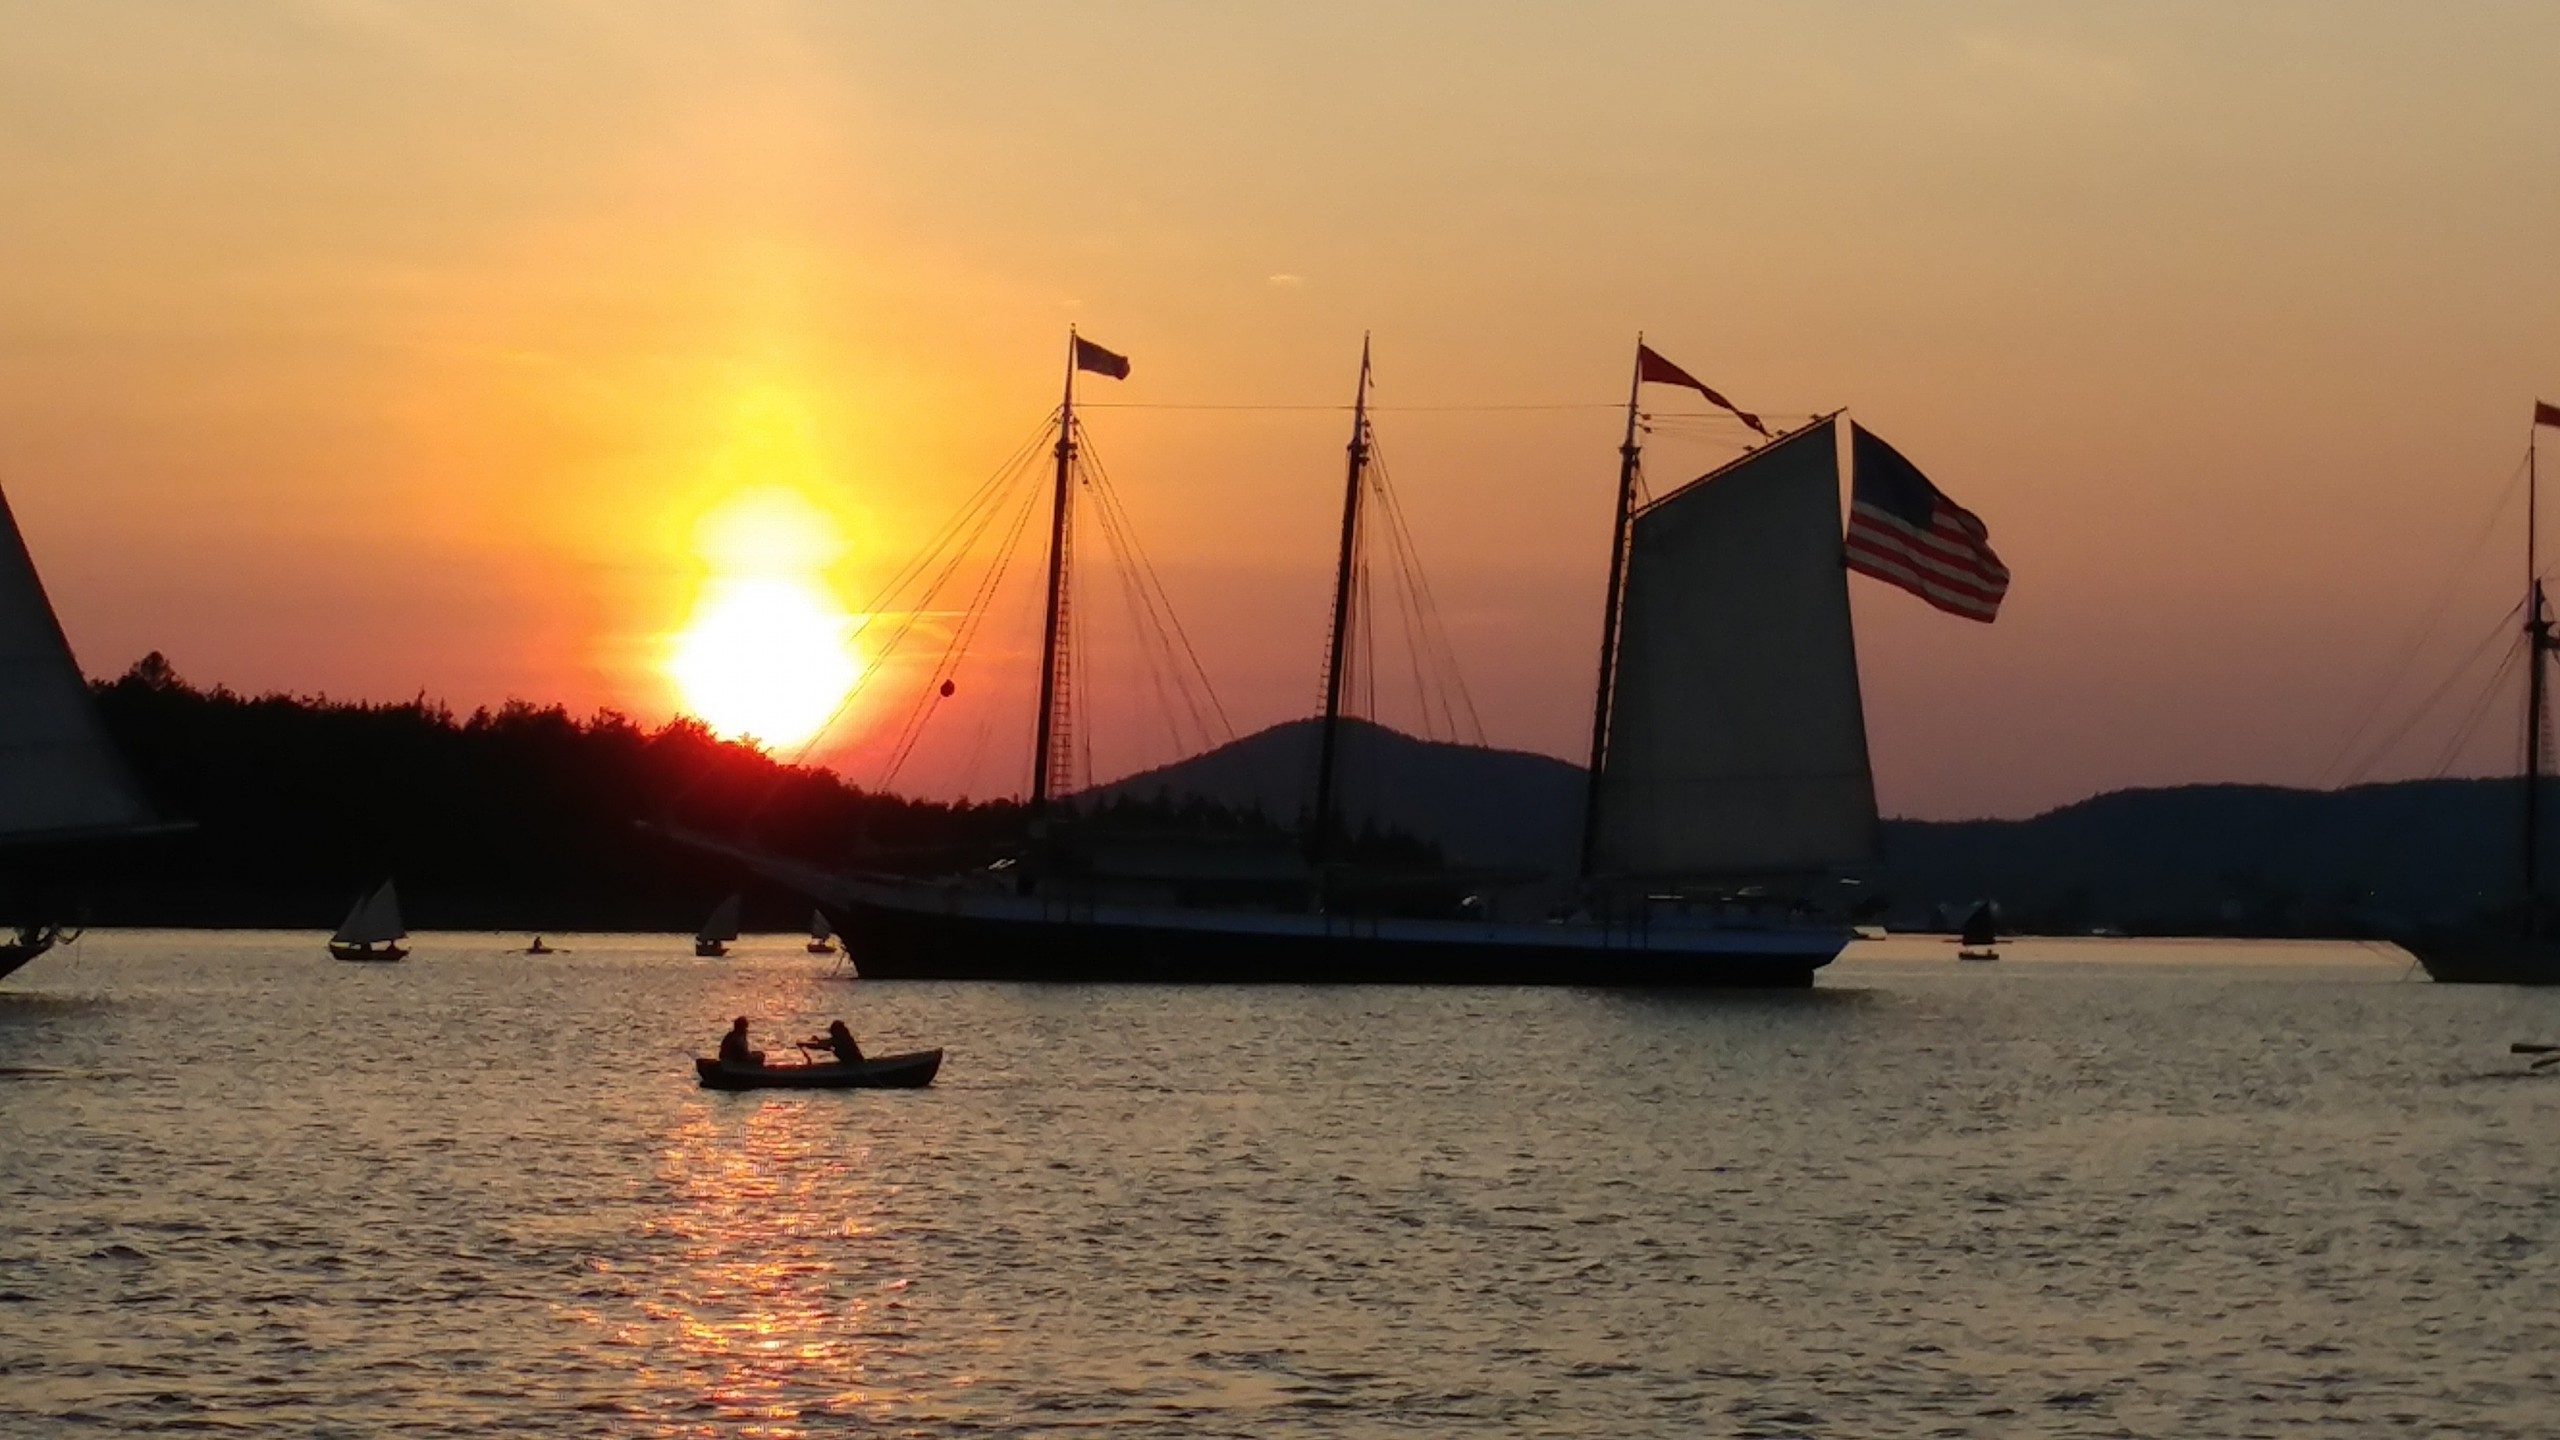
750 1326
768 651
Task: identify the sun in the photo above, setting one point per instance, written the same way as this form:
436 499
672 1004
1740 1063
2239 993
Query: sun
768 653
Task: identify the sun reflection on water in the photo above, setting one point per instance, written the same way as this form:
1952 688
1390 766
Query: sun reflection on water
768 1311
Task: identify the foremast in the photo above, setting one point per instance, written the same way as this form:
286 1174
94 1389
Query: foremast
1046 737
1630 458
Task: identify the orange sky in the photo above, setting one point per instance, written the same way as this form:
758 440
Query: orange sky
376 349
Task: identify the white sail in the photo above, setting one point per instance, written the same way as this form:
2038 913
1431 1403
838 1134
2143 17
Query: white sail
59 775
375 920
819 929
723 924
1737 744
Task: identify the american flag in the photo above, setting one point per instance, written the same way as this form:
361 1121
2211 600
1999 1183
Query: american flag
1904 532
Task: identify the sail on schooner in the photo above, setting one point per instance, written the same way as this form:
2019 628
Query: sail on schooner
2528 951
375 920
1729 752
62 784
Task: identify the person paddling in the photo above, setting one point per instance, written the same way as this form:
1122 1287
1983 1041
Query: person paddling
733 1046
839 1040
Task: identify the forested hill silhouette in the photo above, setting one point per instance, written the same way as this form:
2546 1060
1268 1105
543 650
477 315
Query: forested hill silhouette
528 818
2198 859
518 818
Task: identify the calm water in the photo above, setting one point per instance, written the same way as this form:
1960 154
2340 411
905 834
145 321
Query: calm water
2098 1188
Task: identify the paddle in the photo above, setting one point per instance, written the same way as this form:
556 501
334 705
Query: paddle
2545 1063
2528 1047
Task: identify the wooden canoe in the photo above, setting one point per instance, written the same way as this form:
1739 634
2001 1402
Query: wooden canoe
887 1072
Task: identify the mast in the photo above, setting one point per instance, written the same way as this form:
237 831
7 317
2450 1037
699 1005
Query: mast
1628 454
1338 643
2537 631
1044 737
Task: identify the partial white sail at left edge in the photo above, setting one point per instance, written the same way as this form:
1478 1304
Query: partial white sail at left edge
60 777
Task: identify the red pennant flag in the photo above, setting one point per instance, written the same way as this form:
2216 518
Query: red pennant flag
1090 356
2546 413
1656 370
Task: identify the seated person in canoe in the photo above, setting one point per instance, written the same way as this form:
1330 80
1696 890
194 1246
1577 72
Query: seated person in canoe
839 1041
733 1046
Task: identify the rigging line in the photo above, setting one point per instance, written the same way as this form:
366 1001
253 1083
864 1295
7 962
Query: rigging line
2425 631
1408 622
963 635
1155 582
1345 409
2490 694
955 554
1155 659
988 492
1443 656
1155 651
1408 602
2373 756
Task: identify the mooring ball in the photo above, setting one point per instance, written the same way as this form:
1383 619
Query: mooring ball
947 688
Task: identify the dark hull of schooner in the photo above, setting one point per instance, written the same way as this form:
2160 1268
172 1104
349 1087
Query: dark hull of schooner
2507 960
927 932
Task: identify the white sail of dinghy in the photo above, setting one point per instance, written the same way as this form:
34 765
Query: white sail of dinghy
722 927
375 920
1736 741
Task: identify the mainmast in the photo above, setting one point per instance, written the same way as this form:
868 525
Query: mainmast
1629 454
1320 839
1045 738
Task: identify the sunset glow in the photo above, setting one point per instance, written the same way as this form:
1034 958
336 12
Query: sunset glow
768 652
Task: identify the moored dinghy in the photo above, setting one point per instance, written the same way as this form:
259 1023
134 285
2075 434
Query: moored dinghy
375 921
821 934
911 1071
713 940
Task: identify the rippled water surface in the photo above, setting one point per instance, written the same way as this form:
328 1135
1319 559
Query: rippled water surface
2097 1188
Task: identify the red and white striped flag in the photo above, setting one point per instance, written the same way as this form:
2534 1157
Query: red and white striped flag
1903 531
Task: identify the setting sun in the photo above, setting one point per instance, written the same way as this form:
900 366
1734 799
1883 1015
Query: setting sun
768 651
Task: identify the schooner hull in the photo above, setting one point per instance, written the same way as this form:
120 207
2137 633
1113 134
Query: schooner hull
935 933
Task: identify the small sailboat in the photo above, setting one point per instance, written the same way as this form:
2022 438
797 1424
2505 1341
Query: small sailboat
1980 934
821 934
374 922
712 941
538 948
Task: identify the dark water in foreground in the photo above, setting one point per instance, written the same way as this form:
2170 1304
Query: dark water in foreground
2094 1189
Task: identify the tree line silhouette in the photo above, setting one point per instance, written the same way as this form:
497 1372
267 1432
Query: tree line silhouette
524 817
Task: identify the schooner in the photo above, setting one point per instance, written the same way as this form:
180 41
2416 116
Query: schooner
1728 758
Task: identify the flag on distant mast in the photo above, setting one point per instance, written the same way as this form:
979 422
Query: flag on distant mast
1090 356
1653 368
2546 413
1905 531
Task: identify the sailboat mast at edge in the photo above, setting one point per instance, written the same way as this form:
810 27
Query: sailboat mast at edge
2537 632
1629 453
1320 838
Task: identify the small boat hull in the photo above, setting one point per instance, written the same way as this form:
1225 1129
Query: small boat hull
367 953
710 949
887 1072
